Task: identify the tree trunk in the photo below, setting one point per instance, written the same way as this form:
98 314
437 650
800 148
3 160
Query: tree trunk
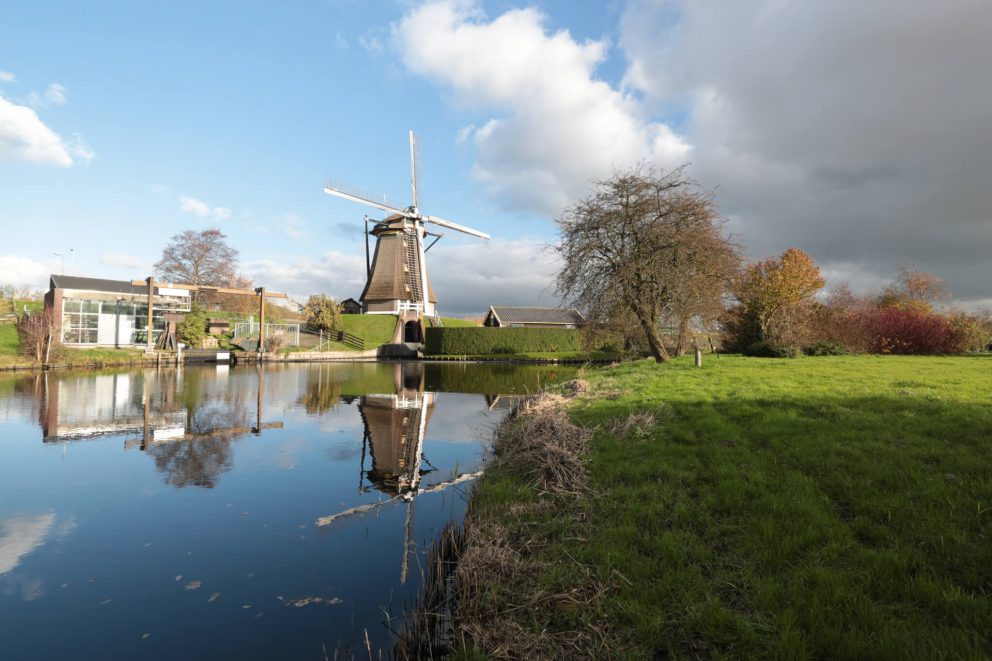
656 346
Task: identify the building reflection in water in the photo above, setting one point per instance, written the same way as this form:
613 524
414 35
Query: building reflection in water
188 419
185 419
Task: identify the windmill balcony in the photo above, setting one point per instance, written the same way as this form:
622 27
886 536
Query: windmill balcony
401 307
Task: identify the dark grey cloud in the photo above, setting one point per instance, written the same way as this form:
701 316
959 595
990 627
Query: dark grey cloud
856 130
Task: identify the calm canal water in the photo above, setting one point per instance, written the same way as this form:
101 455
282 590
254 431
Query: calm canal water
173 513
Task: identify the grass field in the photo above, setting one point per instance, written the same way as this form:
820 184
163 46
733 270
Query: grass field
544 355
10 354
9 342
821 507
455 322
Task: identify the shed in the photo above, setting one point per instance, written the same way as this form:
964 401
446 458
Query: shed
351 306
504 316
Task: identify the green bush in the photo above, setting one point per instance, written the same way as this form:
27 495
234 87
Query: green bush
447 341
827 348
193 328
766 349
322 312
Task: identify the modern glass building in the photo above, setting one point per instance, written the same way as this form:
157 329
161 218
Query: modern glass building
95 312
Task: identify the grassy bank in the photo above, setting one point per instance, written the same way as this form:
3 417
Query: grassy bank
824 507
11 357
9 342
571 356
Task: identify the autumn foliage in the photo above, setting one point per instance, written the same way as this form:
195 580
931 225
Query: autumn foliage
778 314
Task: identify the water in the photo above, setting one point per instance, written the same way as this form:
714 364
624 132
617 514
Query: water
173 513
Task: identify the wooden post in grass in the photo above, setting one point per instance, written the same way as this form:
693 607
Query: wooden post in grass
699 357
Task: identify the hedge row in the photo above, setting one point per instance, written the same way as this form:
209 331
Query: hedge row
479 340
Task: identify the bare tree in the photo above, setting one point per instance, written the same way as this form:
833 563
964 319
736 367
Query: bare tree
38 333
648 244
199 258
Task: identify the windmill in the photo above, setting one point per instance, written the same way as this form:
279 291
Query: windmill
397 281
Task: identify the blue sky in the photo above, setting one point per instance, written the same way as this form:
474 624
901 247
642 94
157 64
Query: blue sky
241 106
808 118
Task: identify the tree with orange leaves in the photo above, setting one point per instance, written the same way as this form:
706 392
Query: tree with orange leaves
770 289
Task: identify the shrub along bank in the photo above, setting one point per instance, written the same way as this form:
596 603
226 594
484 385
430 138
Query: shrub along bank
828 507
447 341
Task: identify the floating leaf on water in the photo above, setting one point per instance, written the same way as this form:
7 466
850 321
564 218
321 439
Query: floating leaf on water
309 601
213 597
193 585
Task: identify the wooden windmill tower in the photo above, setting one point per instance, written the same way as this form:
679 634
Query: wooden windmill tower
397 275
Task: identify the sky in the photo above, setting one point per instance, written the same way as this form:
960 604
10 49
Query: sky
856 131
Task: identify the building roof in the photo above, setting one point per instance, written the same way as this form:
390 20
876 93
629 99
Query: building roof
96 284
521 315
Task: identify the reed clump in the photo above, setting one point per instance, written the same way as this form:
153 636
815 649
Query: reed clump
495 596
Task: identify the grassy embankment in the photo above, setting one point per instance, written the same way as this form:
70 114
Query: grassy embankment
570 356
11 356
819 507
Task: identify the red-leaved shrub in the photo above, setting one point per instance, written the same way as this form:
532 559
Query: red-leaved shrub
913 331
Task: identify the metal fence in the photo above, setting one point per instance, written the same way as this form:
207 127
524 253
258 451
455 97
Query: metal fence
249 329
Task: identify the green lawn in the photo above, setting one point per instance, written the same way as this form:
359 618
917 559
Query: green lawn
455 322
9 342
821 507
544 355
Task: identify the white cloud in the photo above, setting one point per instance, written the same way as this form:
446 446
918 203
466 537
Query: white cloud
20 535
558 126
25 271
124 261
24 137
55 94
292 225
201 209
80 149
335 273
7 77
467 277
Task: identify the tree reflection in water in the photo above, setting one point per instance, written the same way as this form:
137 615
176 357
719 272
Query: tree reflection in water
215 418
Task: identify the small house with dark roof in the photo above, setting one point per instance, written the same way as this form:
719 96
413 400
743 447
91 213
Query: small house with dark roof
351 306
98 312
504 316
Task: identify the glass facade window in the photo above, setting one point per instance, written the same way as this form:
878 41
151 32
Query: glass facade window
80 321
141 323
123 322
